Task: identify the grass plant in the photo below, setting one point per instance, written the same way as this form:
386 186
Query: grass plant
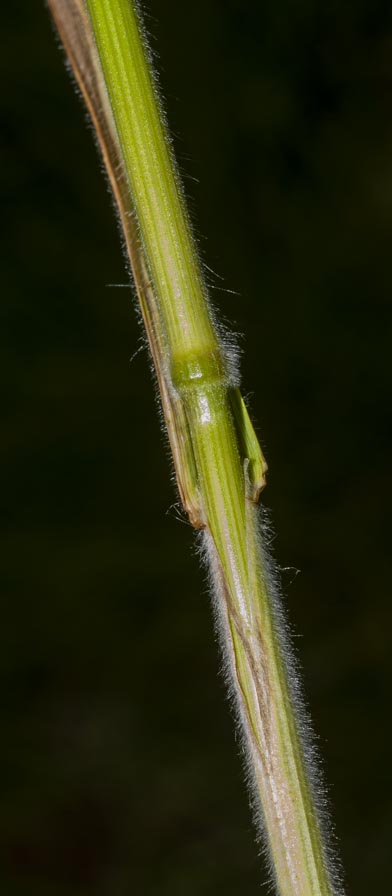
219 465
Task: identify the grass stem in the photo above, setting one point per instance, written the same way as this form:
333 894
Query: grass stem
219 465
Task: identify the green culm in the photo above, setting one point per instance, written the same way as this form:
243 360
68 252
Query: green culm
219 465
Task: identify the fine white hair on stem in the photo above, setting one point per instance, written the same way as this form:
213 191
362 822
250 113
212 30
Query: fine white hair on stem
284 637
219 466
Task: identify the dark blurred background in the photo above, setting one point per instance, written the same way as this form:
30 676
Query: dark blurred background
119 767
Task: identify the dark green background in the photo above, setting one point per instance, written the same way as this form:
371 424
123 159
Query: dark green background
119 769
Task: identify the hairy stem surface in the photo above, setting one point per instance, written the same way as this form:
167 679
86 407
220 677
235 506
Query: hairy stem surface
219 465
